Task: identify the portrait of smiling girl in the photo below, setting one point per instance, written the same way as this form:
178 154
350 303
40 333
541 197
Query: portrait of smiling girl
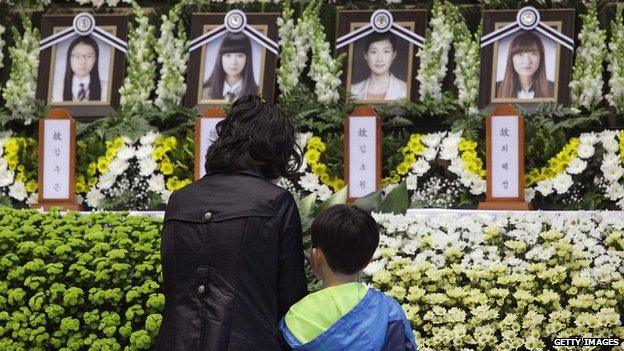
232 73
525 70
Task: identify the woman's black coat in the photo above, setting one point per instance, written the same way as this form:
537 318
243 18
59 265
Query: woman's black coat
232 263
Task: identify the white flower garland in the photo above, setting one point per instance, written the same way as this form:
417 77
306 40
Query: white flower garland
15 189
309 181
149 168
118 165
434 56
172 51
139 82
324 70
586 85
19 92
616 63
422 164
294 43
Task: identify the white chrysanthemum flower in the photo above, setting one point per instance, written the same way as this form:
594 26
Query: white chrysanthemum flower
374 267
324 192
529 194
478 186
156 183
615 191
429 154
562 183
432 139
94 196
588 138
165 195
144 151
612 173
420 167
125 153
309 182
118 166
585 150
411 182
544 187
610 145
576 166
18 191
32 199
106 181
3 163
147 166
6 177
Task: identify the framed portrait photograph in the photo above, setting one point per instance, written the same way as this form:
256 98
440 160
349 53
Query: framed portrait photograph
233 64
526 67
82 73
381 67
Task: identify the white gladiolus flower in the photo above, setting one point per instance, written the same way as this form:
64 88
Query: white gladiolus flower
18 191
576 166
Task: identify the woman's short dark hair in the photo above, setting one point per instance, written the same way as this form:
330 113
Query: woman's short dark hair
375 37
348 237
255 135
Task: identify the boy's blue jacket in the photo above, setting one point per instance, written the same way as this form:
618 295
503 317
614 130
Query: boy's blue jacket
377 322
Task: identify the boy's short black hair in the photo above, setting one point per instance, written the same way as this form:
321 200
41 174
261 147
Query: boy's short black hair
348 237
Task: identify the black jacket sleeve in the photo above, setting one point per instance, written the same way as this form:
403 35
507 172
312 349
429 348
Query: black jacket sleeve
291 280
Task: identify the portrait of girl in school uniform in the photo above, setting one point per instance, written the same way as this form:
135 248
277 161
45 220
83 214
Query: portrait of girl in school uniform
379 65
525 68
231 68
81 71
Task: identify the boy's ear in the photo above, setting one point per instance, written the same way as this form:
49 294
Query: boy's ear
317 257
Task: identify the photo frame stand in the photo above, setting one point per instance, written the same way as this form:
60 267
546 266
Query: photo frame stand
505 161
205 135
57 161
362 152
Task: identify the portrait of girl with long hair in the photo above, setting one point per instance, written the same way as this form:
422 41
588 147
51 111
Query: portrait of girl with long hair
81 80
525 70
232 73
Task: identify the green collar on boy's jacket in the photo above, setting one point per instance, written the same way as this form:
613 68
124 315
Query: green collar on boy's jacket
316 312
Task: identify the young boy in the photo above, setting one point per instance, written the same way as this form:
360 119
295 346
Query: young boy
345 315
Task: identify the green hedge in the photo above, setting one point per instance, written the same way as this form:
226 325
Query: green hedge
79 282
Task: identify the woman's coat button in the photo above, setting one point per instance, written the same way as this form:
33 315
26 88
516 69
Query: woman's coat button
201 289
208 216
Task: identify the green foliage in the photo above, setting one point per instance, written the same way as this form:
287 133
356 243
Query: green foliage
396 201
79 282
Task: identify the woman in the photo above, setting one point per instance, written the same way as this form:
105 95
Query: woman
81 81
525 71
381 84
232 74
232 256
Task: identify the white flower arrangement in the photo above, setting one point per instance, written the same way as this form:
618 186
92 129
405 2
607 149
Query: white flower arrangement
489 281
19 92
141 73
2 44
325 71
132 167
586 85
294 47
172 50
467 62
10 183
611 167
434 55
450 152
616 62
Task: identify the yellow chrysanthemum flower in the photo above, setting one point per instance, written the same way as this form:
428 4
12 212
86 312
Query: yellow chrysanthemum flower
102 165
158 153
31 186
172 183
166 167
